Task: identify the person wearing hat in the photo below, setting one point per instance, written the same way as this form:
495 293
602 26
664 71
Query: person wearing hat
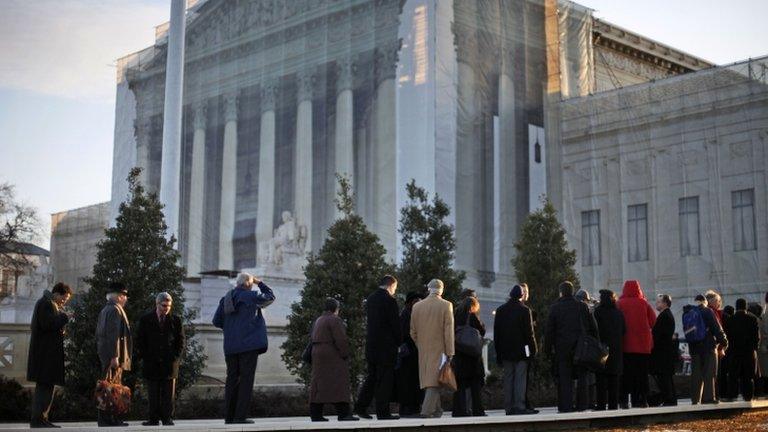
113 340
432 331
515 344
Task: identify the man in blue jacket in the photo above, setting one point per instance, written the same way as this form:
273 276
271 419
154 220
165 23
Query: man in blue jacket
245 337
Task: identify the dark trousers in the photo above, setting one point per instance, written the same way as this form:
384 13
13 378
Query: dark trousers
241 369
41 404
666 385
378 383
161 397
316 410
566 371
635 379
703 374
607 392
741 372
723 377
473 389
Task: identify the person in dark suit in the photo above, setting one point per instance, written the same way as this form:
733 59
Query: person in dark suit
45 363
159 346
515 345
664 352
113 341
381 345
610 324
568 320
743 330
409 392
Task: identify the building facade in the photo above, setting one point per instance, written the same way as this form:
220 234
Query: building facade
74 235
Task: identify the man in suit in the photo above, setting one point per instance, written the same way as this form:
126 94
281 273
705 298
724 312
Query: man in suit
515 345
159 346
743 330
664 351
568 320
382 341
113 340
45 363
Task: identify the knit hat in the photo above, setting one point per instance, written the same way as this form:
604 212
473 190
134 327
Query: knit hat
516 293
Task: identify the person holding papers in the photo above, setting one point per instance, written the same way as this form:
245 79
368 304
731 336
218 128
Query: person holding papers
515 344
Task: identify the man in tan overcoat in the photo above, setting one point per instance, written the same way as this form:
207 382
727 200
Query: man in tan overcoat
432 330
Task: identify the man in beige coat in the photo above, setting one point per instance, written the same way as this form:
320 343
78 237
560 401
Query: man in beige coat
432 330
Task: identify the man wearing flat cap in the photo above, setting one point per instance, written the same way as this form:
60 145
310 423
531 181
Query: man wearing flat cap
113 340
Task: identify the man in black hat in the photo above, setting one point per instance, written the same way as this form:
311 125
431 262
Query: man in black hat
113 340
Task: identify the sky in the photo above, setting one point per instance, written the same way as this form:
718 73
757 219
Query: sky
57 78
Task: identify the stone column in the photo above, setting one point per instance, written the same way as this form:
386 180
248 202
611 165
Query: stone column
266 194
303 167
172 113
508 179
143 131
228 183
197 193
344 152
384 150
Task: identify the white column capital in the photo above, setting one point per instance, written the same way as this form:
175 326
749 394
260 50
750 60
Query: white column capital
269 87
200 110
345 74
386 61
230 106
306 84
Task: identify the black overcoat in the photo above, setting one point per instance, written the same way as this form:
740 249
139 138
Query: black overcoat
45 363
512 331
611 327
743 330
159 348
568 319
468 368
383 328
664 353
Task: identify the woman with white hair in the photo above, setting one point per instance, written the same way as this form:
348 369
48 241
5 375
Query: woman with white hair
245 338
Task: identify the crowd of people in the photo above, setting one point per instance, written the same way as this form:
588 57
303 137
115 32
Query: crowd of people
407 351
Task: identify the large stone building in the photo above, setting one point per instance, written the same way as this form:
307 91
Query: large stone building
74 235
667 182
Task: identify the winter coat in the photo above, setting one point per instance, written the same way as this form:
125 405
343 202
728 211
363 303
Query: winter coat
432 330
113 336
45 363
762 352
513 331
568 319
468 368
639 318
382 328
159 348
743 330
239 315
715 335
330 360
407 375
664 354
610 325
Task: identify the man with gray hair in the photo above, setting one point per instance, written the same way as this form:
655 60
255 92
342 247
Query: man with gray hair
432 331
159 346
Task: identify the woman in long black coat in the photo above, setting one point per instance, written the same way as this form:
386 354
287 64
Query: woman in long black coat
611 327
409 392
470 371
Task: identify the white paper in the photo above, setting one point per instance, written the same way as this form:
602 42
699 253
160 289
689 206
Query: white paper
443 360
527 351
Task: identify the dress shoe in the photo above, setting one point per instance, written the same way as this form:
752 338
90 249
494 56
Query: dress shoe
120 423
363 415
243 421
319 419
51 425
38 424
150 423
387 417
349 418
168 423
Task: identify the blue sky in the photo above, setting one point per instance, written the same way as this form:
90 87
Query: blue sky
57 77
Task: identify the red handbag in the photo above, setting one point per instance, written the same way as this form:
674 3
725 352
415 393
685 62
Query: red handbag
111 395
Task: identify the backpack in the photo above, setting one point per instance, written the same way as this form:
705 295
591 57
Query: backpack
694 326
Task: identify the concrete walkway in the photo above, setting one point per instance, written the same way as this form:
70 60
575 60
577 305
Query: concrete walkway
548 418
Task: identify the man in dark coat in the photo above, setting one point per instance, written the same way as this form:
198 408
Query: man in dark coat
515 345
568 320
45 363
664 352
113 341
611 326
381 345
159 346
743 330
409 392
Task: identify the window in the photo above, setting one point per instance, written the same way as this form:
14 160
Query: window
743 208
637 232
689 226
590 237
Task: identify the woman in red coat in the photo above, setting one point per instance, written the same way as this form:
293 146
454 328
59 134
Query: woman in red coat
639 318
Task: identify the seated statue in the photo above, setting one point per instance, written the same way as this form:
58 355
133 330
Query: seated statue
289 238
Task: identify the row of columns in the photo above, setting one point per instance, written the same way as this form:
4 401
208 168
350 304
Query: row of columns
303 173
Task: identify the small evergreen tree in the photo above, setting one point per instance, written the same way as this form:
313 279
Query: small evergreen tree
136 252
543 261
428 244
347 267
